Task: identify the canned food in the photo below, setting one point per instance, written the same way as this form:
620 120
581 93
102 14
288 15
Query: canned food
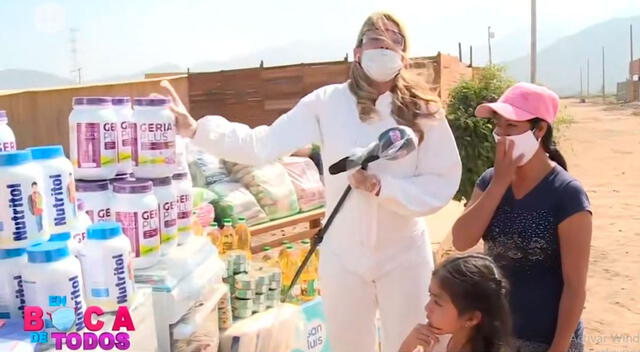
274 295
242 304
225 300
259 308
225 320
238 256
259 299
240 268
262 289
275 278
244 294
262 278
242 313
245 282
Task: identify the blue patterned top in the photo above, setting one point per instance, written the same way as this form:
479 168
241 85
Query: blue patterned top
522 238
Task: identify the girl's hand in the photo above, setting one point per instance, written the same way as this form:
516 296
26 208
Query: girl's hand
365 181
185 124
421 338
505 165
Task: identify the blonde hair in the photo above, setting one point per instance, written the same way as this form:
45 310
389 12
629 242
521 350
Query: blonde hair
410 95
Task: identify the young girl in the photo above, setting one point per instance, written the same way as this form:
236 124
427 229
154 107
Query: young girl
468 309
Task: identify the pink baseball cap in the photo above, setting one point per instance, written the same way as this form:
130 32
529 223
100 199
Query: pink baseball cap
522 102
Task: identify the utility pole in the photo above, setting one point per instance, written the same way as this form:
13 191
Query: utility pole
581 91
490 35
588 73
470 55
74 54
603 81
534 49
460 51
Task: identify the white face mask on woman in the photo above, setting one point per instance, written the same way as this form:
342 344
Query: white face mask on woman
525 144
381 64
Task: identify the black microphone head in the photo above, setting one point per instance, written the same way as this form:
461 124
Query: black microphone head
397 142
392 144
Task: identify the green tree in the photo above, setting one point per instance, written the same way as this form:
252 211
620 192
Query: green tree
473 135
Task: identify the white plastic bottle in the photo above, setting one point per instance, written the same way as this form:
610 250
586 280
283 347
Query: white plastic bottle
135 207
153 128
96 196
53 275
106 266
182 162
79 227
11 288
7 138
124 112
93 138
119 177
23 211
184 203
65 237
166 194
59 188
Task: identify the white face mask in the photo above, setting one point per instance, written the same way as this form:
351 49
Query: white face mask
381 64
525 144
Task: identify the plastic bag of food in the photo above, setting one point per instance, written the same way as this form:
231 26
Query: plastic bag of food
306 180
206 169
270 185
201 196
234 200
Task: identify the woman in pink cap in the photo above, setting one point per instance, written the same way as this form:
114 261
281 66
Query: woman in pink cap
535 220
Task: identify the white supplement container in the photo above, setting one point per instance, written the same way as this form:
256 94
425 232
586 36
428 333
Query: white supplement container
23 211
79 227
59 186
105 260
11 288
65 237
154 133
119 177
122 108
166 194
53 275
7 138
93 138
183 186
96 197
182 162
135 207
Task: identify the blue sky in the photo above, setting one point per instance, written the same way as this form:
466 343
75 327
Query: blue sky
120 37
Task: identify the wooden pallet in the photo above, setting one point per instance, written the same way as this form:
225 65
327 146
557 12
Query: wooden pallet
292 229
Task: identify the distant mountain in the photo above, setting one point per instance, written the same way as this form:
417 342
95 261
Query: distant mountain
559 58
559 63
25 79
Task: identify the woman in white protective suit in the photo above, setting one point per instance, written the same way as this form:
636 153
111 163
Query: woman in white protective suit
376 255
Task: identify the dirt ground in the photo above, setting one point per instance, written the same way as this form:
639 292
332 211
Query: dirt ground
602 147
